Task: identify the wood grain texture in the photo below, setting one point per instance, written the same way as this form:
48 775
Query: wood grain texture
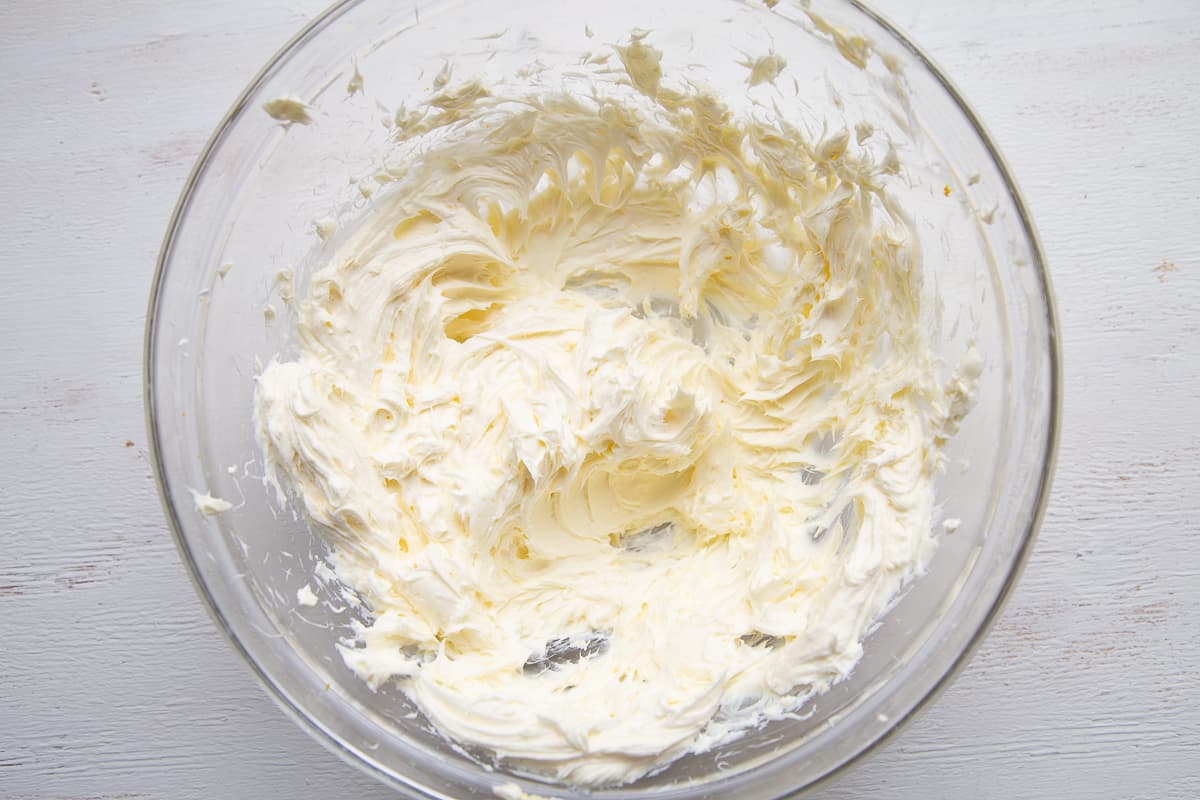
113 681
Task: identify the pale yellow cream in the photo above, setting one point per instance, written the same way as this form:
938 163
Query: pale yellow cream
620 414
288 110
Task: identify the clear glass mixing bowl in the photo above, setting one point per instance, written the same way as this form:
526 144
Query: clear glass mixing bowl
248 210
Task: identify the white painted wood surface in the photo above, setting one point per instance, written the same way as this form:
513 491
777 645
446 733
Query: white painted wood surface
113 681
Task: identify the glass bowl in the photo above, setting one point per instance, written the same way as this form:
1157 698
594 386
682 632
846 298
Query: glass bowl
248 212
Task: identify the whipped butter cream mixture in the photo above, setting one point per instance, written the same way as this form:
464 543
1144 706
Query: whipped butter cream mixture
620 415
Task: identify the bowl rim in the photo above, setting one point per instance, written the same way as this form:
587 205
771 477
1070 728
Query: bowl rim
352 756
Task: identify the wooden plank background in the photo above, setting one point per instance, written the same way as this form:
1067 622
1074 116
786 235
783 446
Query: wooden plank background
113 681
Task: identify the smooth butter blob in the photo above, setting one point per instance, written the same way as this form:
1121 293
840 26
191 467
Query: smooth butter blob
620 414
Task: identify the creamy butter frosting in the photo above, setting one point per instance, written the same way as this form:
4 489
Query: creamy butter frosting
288 110
620 414
208 505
